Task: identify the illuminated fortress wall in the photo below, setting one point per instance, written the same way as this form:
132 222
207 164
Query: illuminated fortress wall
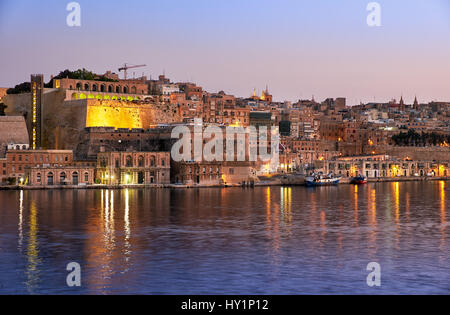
115 115
65 121
122 114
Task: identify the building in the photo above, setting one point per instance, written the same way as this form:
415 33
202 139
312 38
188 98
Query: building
213 173
44 176
382 166
16 162
13 134
3 92
37 91
133 168
73 105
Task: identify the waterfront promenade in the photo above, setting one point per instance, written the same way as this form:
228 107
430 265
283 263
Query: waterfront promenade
278 180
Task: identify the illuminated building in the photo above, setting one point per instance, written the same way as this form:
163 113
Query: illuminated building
133 168
37 88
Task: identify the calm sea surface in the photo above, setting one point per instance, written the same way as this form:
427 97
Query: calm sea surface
228 241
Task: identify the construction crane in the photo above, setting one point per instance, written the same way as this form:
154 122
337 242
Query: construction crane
126 66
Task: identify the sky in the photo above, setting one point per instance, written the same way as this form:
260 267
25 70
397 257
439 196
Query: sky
298 48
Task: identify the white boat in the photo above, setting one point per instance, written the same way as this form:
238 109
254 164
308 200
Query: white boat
322 180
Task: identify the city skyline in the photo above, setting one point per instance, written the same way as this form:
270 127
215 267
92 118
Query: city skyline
245 47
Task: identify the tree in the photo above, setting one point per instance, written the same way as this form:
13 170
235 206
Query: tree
24 87
80 74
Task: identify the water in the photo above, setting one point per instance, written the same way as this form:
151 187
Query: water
228 241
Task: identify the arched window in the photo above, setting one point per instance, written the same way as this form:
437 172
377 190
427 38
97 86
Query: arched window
50 179
94 87
133 90
86 177
125 90
102 88
99 97
82 96
118 89
62 177
17 147
86 87
24 147
141 161
38 177
152 161
79 86
75 178
74 96
110 89
129 162
163 162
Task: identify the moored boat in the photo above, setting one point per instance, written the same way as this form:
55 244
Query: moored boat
359 180
322 180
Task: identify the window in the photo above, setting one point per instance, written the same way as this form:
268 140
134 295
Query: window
86 177
38 177
129 161
62 177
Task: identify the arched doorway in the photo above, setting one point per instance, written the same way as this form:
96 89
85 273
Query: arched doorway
75 179
62 178
50 179
141 178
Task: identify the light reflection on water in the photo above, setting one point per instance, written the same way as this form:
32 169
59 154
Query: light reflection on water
278 240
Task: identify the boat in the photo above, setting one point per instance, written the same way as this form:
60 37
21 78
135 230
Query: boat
322 180
359 180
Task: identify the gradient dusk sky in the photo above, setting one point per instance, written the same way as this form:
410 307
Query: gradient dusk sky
299 48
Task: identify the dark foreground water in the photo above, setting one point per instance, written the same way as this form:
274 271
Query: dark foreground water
228 241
